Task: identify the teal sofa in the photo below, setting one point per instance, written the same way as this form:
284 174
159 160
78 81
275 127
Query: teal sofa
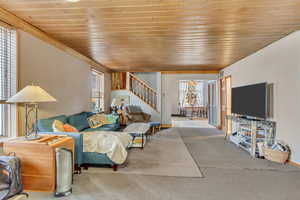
79 121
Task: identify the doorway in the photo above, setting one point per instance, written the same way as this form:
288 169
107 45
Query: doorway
212 103
192 110
225 104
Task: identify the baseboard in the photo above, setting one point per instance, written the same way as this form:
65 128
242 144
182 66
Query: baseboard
166 125
294 163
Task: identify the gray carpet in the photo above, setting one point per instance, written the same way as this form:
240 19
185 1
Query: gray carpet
230 173
210 150
187 122
164 155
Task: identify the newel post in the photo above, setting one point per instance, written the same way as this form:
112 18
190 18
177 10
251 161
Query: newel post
127 80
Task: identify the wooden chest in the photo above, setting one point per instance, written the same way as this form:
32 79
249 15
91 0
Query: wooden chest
38 160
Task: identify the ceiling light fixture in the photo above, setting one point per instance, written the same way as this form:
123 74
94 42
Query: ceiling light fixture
73 1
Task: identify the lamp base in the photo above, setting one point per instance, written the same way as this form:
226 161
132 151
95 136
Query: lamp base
33 137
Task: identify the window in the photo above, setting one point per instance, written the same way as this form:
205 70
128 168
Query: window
8 80
191 93
97 91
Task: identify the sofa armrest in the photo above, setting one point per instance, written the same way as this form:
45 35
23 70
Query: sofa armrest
78 139
147 117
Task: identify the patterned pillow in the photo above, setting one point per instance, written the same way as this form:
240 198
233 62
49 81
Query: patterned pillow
69 128
58 126
97 120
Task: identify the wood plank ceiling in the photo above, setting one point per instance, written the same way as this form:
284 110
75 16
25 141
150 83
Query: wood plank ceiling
159 35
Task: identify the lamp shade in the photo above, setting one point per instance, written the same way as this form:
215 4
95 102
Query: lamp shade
31 94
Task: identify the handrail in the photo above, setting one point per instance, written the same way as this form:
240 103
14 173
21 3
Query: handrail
141 89
138 87
140 80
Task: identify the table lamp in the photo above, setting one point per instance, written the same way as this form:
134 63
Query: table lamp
31 95
114 105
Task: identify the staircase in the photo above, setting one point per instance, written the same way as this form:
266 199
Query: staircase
139 88
142 90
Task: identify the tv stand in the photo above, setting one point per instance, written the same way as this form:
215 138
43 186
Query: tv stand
246 133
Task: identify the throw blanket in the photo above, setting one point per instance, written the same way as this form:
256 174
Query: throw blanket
111 143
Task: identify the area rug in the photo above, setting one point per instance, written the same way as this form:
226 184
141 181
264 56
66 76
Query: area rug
164 155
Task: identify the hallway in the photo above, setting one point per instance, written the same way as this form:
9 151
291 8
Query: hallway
190 122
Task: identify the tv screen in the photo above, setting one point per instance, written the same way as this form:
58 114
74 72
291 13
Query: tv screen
250 100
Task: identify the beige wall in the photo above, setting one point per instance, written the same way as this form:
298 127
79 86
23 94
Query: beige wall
65 77
107 89
278 63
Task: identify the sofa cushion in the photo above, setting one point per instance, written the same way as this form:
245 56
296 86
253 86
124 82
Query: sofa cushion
58 126
79 121
154 124
88 114
137 118
134 109
45 125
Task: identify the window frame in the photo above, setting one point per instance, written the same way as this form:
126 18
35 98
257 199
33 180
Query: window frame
12 115
100 98
200 100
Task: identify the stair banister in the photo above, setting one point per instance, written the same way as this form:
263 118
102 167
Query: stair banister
141 89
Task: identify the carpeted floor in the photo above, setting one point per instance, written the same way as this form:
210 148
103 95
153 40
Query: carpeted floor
190 122
229 173
164 155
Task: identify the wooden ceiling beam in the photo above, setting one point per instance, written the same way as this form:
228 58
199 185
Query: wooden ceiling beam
21 24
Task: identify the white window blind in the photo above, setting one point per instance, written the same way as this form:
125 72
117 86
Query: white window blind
8 79
97 98
7 63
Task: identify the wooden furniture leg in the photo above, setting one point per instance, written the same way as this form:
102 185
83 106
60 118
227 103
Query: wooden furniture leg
143 141
115 168
77 169
85 166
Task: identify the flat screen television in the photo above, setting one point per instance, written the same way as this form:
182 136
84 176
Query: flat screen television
250 100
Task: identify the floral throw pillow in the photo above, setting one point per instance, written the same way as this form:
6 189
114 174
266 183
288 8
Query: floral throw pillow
97 120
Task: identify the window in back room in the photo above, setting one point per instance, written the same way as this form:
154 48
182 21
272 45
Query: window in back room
191 93
193 98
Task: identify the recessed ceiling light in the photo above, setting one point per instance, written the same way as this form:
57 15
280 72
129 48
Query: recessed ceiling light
73 0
